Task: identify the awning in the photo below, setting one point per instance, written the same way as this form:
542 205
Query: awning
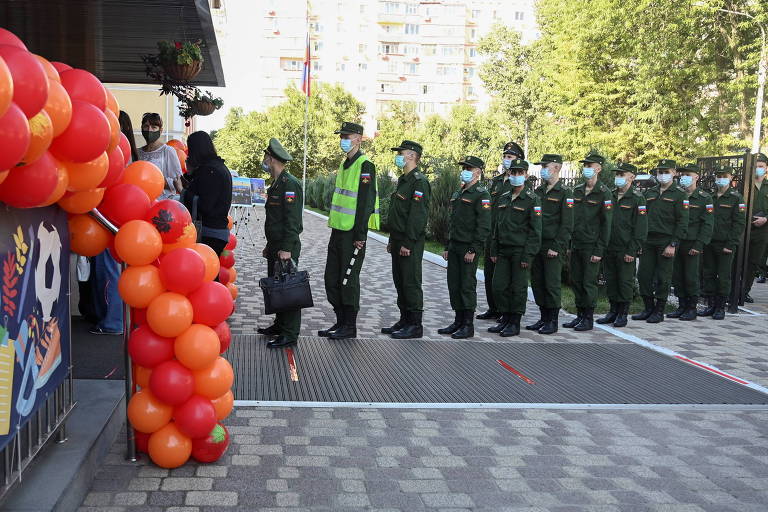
108 37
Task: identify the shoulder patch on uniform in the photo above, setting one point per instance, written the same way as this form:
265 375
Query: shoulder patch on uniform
537 211
710 208
641 209
742 207
486 203
417 195
569 202
686 204
482 189
365 177
290 196
608 204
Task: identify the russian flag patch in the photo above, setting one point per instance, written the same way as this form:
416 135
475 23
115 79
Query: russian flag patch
417 195
486 203
686 203
742 207
641 209
710 208
608 203
569 202
365 177
537 210
290 196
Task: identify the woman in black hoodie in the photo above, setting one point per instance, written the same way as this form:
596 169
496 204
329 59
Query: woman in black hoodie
211 183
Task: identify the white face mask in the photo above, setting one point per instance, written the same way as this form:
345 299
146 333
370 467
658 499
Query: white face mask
588 172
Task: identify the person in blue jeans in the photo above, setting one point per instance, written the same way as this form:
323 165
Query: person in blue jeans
107 301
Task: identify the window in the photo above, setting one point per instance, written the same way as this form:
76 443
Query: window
390 48
425 89
362 66
470 91
341 66
450 51
426 108
409 68
448 71
291 65
391 67
411 28
475 13
473 52
519 15
316 66
392 7
411 49
430 49
473 34
411 9
316 27
362 48
387 28
362 8
469 73
317 46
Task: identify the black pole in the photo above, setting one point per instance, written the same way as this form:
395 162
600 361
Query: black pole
741 268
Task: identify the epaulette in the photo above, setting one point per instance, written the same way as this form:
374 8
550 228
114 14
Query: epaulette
481 188
417 175
531 193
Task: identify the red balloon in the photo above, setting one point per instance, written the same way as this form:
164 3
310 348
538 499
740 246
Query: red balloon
172 383
147 349
82 85
212 303
227 259
182 270
9 38
125 147
115 170
142 441
123 203
196 417
224 334
224 275
14 137
171 219
232 242
139 317
87 135
30 185
211 448
30 83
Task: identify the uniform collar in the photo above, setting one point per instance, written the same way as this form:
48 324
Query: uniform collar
411 175
470 189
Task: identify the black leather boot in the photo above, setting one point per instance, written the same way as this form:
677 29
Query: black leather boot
348 327
690 312
503 321
327 332
513 326
280 342
586 321
682 306
644 314
413 329
272 330
657 316
488 315
540 322
550 326
621 315
719 313
397 325
467 329
611 315
573 323
710 307
458 321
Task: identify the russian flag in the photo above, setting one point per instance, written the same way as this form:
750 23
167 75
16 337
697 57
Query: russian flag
305 79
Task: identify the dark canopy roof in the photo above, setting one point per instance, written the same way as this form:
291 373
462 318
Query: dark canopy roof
108 37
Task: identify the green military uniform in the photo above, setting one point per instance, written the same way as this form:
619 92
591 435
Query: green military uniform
686 268
628 232
557 228
407 221
282 227
758 236
516 239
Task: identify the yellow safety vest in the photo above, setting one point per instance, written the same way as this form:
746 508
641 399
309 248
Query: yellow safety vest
344 202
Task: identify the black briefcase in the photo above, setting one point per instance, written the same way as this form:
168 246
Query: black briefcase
287 290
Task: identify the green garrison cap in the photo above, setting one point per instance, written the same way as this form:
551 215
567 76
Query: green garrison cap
666 163
625 167
278 151
761 158
472 161
519 164
349 128
550 159
409 144
724 169
690 168
513 148
593 158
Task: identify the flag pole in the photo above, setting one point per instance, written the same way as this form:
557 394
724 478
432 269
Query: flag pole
306 116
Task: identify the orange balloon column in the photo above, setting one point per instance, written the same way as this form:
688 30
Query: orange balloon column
146 176
169 448
88 237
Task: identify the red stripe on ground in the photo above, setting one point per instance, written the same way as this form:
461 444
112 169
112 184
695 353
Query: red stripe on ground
718 372
509 368
292 364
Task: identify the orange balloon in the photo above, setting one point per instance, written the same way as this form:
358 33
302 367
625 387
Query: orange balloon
230 222
214 380
197 347
141 376
175 143
41 131
139 285
87 175
186 240
147 413
232 287
169 448
182 159
61 185
87 236
146 176
224 405
138 242
114 130
232 274
112 104
50 71
6 88
169 314
83 201
58 107
210 259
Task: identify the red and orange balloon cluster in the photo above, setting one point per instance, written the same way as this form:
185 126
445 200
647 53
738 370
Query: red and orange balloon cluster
227 272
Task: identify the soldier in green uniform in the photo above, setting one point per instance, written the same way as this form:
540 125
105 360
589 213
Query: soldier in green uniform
468 227
730 221
630 228
511 151
282 227
758 236
354 209
667 225
407 222
516 239
557 226
593 212
685 272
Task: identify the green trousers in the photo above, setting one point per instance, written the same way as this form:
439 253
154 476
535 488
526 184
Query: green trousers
619 277
717 270
758 247
341 250
488 267
462 278
546 277
406 273
685 271
584 277
510 281
289 322
654 274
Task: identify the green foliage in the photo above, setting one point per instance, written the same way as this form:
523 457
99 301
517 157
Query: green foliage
444 182
180 53
385 187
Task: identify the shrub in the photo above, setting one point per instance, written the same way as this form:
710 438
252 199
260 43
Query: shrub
444 182
385 187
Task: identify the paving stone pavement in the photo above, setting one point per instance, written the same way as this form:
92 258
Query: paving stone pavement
342 459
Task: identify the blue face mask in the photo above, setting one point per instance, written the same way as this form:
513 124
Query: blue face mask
686 181
346 145
517 180
722 182
664 178
265 167
760 172
545 174
619 181
466 176
400 161
588 172
506 163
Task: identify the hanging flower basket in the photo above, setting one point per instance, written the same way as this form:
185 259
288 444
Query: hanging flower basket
203 107
183 72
